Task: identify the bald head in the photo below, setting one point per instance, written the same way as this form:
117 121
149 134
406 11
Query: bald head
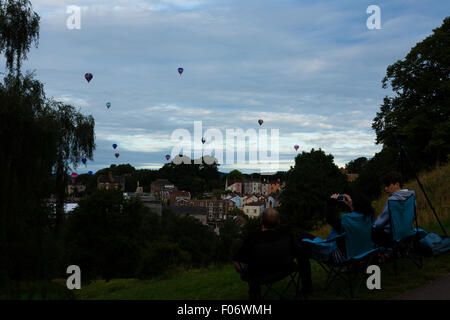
270 218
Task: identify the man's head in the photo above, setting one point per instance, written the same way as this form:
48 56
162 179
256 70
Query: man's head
392 182
270 218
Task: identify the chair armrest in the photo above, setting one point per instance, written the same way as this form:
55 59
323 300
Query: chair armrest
339 236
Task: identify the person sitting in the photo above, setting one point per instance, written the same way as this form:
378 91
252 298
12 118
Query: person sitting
381 233
270 237
357 203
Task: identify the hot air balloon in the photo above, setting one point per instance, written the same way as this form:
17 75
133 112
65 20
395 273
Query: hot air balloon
88 76
84 160
117 154
114 145
90 172
108 105
74 175
180 71
260 121
296 147
203 140
167 156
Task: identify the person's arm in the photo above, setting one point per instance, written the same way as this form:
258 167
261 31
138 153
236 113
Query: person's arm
383 218
332 215
243 253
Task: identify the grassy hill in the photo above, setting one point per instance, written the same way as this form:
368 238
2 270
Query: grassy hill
223 283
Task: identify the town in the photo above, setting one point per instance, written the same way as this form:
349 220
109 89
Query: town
248 196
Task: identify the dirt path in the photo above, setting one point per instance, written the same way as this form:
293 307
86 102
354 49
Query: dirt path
438 289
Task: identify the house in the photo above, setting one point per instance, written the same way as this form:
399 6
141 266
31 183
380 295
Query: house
235 187
197 212
171 196
75 188
160 184
237 200
271 202
249 199
217 209
253 209
147 199
350 176
108 182
252 186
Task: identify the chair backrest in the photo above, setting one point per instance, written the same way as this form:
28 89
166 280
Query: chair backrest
358 233
272 257
402 214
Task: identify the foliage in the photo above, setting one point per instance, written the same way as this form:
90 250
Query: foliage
420 108
356 166
111 229
235 175
19 28
308 185
159 257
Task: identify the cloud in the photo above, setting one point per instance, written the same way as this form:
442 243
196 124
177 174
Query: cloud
311 70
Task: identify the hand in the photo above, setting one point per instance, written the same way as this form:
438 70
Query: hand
348 201
334 196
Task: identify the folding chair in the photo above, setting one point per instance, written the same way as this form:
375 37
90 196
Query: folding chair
402 217
360 251
272 263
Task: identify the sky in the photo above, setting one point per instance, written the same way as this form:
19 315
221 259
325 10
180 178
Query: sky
311 69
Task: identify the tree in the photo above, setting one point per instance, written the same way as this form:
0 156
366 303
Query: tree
105 234
74 140
369 179
40 137
19 28
235 175
308 185
420 108
355 166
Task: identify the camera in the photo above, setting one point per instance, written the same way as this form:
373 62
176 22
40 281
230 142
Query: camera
341 197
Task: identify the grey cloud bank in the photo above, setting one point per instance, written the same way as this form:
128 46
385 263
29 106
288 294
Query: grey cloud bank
311 70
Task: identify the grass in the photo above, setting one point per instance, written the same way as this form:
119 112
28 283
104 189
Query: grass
223 283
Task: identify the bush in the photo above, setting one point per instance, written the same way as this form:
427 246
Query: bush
159 257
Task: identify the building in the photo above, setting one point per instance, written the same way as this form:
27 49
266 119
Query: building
252 186
249 199
217 210
235 187
108 182
160 184
237 200
147 199
75 188
199 213
171 196
350 176
139 189
271 202
253 209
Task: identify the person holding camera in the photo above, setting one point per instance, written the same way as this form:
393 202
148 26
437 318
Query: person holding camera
336 204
